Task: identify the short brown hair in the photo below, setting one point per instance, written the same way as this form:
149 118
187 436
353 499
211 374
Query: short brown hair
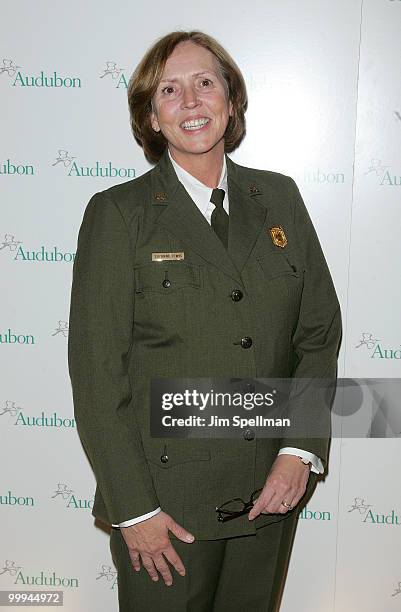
146 77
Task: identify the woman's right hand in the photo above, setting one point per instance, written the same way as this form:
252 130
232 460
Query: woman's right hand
149 540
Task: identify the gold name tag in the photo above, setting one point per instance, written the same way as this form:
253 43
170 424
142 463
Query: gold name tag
167 256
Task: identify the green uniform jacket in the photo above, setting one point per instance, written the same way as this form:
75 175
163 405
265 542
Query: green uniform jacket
125 328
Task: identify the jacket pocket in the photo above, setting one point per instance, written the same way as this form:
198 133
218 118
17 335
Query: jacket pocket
280 264
167 457
167 277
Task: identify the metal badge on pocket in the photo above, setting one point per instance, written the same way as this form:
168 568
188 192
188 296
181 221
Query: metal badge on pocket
278 236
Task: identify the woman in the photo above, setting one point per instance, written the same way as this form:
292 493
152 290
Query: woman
200 267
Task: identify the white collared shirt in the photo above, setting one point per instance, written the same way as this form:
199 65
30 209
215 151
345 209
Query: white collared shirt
200 194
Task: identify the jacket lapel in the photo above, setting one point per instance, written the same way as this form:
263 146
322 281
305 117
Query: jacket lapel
182 218
247 214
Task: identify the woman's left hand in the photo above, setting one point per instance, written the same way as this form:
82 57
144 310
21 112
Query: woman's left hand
286 481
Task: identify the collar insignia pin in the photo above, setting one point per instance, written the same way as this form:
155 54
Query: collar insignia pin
278 236
253 189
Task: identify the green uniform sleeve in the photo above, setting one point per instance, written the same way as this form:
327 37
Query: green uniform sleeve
99 345
316 340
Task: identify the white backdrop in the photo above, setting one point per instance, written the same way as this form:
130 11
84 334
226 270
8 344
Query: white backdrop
325 108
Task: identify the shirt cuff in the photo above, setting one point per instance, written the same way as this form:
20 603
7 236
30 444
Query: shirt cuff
317 465
138 519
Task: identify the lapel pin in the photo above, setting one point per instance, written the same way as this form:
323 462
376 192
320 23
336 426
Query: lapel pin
253 189
278 236
160 195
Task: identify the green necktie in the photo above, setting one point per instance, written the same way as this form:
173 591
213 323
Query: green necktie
219 220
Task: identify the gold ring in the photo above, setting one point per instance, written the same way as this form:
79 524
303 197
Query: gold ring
287 505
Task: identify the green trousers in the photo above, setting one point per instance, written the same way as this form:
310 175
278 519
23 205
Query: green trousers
236 574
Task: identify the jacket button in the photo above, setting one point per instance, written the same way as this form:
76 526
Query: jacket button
249 388
164 458
166 283
249 434
236 295
246 342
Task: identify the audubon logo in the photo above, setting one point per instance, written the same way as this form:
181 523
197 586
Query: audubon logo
20 418
115 74
10 568
61 329
315 515
323 176
109 574
42 255
13 337
12 499
72 502
384 174
8 67
397 590
19 79
10 408
9 243
12 167
40 579
64 158
368 515
376 348
96 169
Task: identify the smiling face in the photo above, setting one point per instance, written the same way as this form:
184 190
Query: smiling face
191 106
